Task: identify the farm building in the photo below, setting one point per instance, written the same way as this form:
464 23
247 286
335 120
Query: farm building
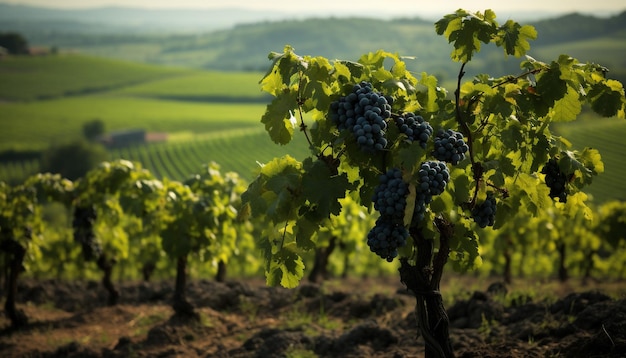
130 137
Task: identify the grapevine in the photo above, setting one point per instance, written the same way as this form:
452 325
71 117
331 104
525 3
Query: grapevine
83 224
363 113
508 142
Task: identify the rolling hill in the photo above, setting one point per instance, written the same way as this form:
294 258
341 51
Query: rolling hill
244 47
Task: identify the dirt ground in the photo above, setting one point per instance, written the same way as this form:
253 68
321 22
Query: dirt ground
340 318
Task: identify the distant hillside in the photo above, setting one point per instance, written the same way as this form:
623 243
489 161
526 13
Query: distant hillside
245 46
576 27
124 19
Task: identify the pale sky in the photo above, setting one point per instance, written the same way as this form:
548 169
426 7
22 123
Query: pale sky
395 7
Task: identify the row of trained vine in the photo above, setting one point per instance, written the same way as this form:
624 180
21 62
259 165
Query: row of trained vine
119 220
126 234
239 152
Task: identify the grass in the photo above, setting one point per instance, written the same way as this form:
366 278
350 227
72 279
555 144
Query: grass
27 78
203 86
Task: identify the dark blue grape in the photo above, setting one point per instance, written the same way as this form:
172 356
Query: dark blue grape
386 237
432 180
390 195
415 128
450 146
484 214
363 113
556 180
433 177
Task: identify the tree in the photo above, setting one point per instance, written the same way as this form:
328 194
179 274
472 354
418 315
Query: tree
93 129
15 43
434 167
73 160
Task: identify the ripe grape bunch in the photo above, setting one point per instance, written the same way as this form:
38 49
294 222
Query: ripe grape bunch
433 178
450 146
390 195
82 224
415 128
363 113
484 214
555 180
389 200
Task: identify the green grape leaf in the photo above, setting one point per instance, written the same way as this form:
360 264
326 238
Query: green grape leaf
537 196
607 98
432 90
272 83
410 156
277 118
322 188
306 229
550 86
461 185
285 268
567 108
464 252
467 31
514 38
581 166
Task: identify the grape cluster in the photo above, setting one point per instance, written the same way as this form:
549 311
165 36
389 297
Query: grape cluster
390 195
484 214
84 218
386 237
414 127
433 178
450 146
389 200
555 180
363 113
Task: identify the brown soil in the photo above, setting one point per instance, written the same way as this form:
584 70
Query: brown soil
350 318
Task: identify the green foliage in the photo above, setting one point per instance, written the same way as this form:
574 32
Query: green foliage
73 160
93 129
612 223
505 121
467 30
19 215
14 42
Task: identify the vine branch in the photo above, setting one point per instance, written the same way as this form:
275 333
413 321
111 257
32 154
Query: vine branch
476 167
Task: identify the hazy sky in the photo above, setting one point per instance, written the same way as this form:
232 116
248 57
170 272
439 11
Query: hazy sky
408 7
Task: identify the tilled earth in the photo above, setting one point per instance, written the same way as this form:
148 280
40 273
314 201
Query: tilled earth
351 318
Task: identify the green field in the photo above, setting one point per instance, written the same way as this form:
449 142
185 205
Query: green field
34 125
209 116
39 77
